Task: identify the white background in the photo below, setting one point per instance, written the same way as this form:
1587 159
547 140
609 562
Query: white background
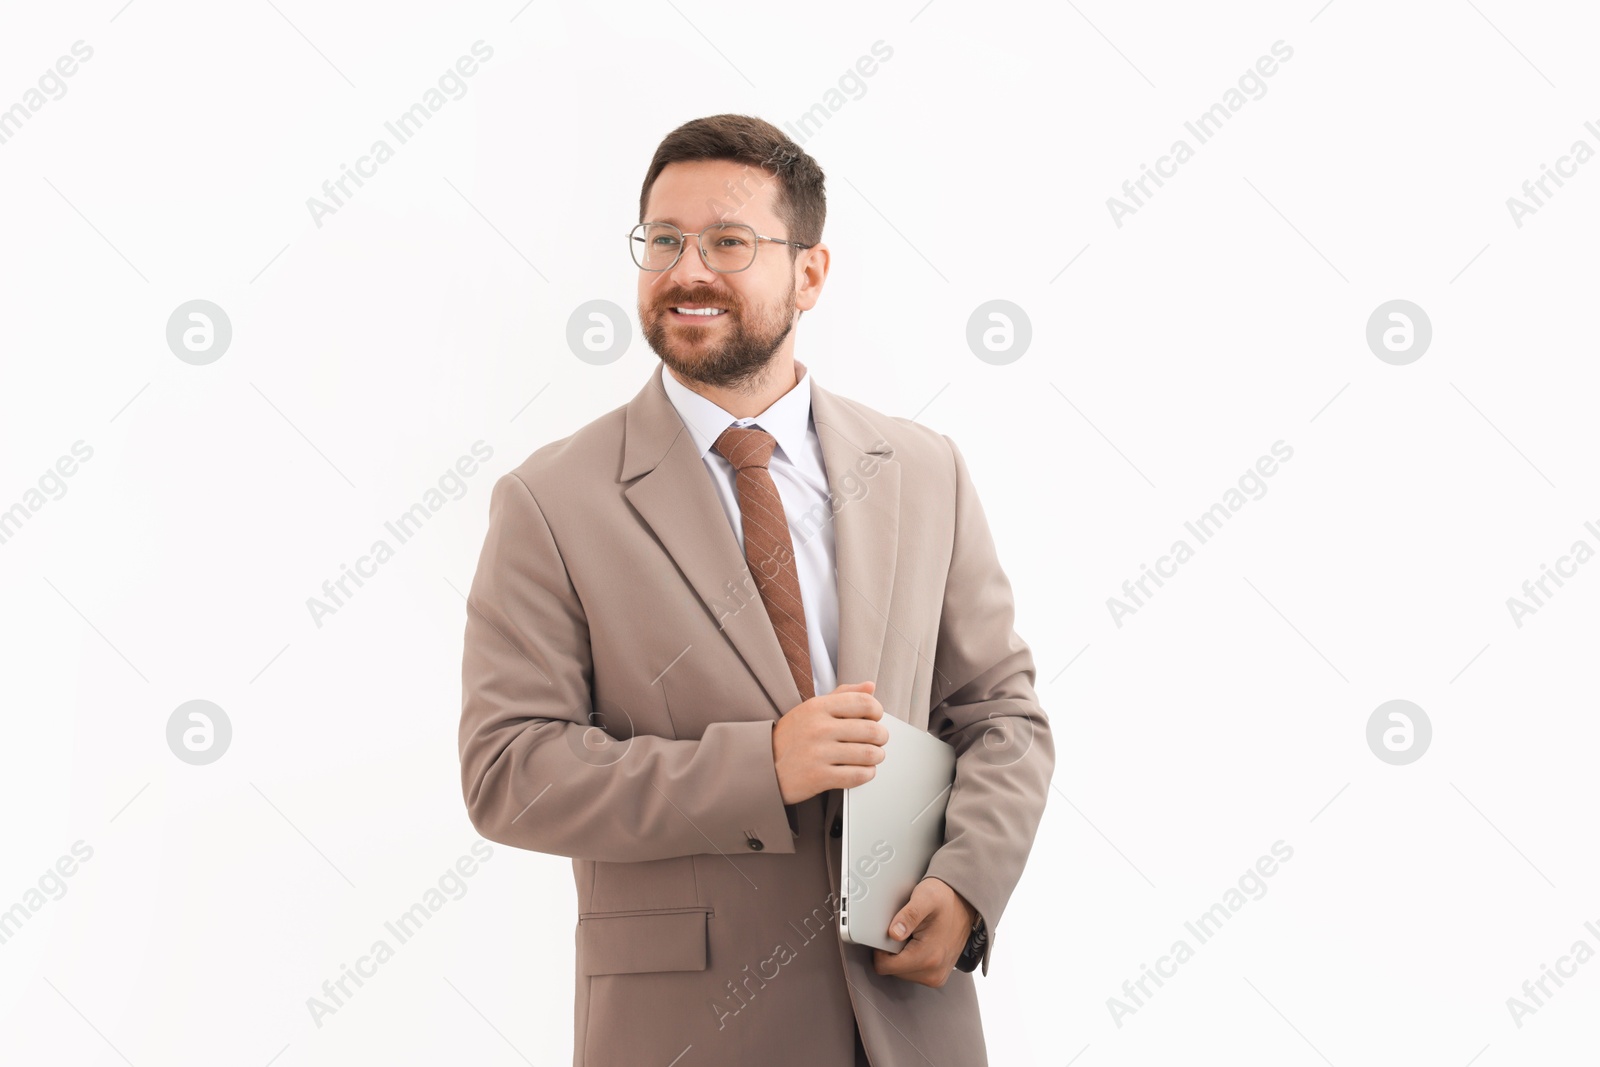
430 312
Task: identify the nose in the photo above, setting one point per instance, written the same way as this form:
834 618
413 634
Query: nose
691 271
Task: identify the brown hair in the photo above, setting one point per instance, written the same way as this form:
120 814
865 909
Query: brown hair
801 203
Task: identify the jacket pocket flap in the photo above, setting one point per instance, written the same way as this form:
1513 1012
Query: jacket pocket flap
634 942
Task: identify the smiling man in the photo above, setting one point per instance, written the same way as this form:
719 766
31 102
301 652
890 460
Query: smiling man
689 618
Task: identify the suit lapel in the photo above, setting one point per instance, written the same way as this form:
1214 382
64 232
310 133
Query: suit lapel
674 496
865 482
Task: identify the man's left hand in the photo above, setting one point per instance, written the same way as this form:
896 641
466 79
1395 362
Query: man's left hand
939 921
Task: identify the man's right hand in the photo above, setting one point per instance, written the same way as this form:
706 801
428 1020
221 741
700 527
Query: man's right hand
832 741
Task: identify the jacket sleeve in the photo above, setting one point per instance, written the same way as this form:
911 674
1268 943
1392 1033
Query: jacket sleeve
540 770
986 708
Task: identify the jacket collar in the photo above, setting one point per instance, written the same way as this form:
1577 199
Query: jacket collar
787 419
671 490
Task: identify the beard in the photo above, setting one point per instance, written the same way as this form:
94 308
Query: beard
737 359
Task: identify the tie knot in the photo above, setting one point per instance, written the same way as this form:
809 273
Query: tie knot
745 446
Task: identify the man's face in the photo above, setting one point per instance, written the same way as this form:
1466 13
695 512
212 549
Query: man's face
757 306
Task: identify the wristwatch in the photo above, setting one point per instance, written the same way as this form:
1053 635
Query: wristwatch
972 955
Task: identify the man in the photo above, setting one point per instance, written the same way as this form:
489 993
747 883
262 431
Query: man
687 621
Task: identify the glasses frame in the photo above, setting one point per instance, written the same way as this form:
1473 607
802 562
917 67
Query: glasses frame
632 237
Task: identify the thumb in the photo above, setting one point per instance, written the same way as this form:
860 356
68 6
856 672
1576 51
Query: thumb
865 687
906 919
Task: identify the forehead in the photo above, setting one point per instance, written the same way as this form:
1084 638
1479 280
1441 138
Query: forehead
691 194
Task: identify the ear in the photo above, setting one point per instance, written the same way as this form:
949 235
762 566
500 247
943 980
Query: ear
812 268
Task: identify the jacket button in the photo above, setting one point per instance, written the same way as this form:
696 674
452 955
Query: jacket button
754 843
838 827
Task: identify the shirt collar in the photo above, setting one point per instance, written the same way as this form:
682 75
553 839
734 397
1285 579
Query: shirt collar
787 419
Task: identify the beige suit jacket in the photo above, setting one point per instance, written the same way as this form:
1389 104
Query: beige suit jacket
620 684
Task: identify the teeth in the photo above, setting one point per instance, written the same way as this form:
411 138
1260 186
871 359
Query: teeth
698 311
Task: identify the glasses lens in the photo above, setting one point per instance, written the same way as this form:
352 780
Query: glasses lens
655 245
728 246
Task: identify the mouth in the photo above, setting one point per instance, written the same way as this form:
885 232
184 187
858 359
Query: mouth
695 313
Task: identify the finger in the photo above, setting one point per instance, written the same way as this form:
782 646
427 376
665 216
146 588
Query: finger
861 731
855 755
915 958
854 706
848 776
907 919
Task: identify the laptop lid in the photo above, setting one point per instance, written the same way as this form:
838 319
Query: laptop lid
892 827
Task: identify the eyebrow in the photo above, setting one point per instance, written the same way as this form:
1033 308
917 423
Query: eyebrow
674 221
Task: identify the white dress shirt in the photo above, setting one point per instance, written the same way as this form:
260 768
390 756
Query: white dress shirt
798 470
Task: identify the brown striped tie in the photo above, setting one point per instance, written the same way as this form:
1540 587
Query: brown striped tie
767 548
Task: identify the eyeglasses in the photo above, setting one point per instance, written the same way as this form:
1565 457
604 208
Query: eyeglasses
725 247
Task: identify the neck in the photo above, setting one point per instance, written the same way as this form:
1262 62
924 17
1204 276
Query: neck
751 398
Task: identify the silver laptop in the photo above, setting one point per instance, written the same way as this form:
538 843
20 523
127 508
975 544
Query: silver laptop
892 827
